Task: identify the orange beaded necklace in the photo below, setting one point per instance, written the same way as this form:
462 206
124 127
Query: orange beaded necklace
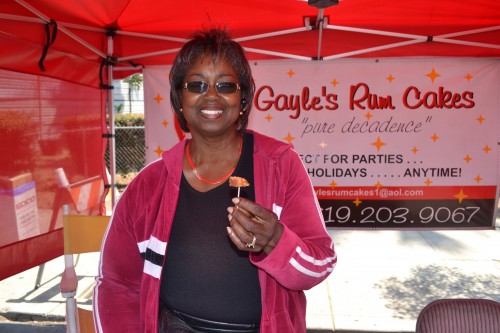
208 181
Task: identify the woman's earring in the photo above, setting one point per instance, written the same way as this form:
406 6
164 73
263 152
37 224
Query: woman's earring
241 113
181 110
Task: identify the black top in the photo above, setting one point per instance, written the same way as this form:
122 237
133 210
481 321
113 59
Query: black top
205 275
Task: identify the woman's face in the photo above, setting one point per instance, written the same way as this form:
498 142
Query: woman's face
212 112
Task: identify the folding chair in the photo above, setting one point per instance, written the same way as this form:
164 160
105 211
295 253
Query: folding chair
84 196
82 234
460 316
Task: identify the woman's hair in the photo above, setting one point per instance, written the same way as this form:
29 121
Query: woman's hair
218 44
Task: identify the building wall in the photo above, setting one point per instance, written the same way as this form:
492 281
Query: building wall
133 103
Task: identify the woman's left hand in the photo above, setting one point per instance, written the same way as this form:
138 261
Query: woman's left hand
253 228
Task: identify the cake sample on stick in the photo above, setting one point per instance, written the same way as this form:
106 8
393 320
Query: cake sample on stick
238 182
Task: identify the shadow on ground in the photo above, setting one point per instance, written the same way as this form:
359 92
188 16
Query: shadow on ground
406 297
39 327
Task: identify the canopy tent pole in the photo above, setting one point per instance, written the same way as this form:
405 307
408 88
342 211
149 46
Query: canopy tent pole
273 34
373 49
374 32
145 55
421 39
278 54
19 18
61 28
151 36
463 42
319 25
415 39
111 120
470 32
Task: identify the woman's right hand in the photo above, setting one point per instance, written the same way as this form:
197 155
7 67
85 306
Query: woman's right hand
253 228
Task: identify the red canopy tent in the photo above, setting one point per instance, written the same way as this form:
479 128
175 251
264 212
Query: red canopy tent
137 33
87 43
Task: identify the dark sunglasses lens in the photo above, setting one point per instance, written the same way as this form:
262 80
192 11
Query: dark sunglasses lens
197 87
226 87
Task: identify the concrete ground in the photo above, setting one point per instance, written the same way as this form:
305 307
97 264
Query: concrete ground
382 281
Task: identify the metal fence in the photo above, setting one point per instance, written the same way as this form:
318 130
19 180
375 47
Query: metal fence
130 149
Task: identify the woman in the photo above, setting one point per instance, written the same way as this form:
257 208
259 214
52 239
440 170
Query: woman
185 252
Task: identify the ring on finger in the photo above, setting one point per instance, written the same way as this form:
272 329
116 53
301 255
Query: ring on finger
252 244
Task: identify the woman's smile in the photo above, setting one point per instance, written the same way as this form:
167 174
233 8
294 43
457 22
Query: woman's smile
211 114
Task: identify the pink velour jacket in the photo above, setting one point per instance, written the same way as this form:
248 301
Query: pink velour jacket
126 295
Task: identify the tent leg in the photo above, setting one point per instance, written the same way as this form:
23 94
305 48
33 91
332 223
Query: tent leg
39 276
112 142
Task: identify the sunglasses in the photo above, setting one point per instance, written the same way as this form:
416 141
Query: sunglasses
201 87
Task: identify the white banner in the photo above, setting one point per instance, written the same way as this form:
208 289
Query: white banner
389 143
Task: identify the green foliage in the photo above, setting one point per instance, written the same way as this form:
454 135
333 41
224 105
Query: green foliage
135 81
15 122
18 133
129 119
119 108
